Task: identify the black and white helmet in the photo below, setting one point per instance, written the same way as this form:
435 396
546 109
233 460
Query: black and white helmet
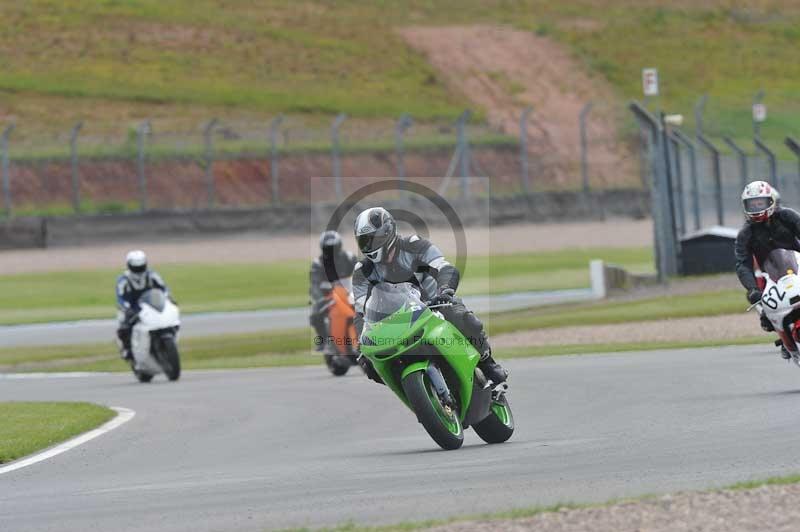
136 263
330 242
376 233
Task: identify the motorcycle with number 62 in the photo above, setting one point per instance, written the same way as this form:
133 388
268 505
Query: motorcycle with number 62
432 367
780 283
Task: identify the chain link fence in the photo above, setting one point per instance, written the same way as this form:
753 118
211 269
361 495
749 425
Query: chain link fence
218 164
696 177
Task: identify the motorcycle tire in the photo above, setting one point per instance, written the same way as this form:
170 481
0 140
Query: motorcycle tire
498 426
445 428
335 365
142 377
171 359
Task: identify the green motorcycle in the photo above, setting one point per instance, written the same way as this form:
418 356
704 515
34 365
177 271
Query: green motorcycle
432 368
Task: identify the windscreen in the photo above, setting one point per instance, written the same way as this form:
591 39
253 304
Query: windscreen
385 299
779 262
154 297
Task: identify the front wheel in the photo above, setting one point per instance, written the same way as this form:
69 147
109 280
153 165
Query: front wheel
337 364
498 426
440 421
142 376
171 361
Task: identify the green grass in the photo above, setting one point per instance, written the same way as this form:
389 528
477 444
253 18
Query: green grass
29 427
658 308
279 349
198 288
139 58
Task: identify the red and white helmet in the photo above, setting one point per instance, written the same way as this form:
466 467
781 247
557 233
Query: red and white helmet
759 199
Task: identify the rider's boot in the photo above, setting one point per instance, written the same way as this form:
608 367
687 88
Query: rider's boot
491 369
785 353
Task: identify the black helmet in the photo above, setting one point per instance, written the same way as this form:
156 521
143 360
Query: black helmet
330 242
376 233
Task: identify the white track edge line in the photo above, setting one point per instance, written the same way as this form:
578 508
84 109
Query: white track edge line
123 416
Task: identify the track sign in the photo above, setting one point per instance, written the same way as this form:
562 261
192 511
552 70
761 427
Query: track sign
650 81
759 112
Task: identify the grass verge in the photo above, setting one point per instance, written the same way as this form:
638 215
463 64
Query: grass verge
60 296
288 348
28 427
600 313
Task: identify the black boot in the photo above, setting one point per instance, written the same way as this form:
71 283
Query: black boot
491 369
785 353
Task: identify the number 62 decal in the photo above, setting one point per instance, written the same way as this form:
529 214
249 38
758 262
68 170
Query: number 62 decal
773 296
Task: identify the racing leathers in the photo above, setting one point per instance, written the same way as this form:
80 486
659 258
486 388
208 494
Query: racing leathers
130 287
417 261
755 241
326 270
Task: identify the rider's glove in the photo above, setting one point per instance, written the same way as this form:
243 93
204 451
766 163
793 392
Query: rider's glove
754 295
369 369
444 295
766 324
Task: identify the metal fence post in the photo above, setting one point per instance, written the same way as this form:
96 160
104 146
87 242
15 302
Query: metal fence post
695 188
335 152
585 147
523 148
208 141
274 126
793 145
699 109
715 165
757 98
7 203
463 147
73 151
141 132
666 246
741 155
678 182
403 123
774 179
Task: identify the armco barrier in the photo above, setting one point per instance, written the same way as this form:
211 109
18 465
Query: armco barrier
154 225
21 233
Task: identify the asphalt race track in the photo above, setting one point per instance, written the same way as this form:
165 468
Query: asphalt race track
212 323
261 449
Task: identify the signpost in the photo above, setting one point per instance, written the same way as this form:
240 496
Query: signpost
650 81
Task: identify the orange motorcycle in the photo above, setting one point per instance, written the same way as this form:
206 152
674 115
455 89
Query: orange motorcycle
341 346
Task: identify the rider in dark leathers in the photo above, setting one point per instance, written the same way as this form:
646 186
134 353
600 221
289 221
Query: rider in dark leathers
334 264
392 258
768 227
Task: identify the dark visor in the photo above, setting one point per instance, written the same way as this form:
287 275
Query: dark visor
138 269
371 242
756 205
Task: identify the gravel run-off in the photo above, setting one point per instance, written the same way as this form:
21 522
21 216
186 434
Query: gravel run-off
773 508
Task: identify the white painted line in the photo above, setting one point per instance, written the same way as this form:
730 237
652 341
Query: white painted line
123 416
63 375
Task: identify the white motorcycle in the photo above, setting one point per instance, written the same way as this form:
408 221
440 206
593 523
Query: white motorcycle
154 338
780 301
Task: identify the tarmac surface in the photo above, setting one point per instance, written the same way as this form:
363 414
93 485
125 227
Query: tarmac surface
262 449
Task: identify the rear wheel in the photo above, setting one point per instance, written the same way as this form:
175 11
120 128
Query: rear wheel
171 361
440 421
498 426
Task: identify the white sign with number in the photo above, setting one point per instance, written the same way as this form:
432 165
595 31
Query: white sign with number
759 112
650 81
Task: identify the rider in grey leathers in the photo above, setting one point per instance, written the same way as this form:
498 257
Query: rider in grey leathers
389 257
